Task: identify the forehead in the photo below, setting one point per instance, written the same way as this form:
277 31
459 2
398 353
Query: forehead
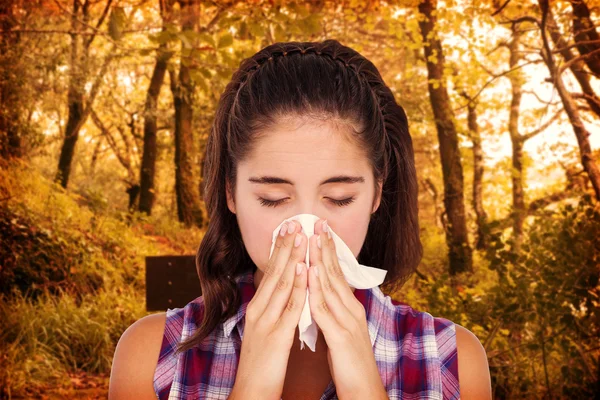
321 143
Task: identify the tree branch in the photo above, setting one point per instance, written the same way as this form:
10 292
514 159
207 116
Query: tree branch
549 102
495 76
499 10
100 21
574 60
543 127
111 141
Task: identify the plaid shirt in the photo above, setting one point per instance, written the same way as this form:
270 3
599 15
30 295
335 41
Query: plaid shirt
414 351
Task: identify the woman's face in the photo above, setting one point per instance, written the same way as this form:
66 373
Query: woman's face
305 155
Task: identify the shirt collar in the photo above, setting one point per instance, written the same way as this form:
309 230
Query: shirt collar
245 285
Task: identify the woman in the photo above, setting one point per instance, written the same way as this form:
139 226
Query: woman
303 127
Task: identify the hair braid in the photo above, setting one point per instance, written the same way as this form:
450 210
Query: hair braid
363 68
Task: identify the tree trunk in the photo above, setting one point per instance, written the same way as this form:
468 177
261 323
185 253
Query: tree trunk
460 253
516 81
188 201
75 100
79 108
133 191
585 35
148 167
478 169
577 68
581 133
10 137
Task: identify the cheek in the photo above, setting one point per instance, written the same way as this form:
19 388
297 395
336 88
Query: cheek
352 231
257 232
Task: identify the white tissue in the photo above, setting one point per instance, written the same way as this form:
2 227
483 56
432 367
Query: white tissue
357 275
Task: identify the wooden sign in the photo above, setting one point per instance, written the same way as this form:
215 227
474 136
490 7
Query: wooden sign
171 282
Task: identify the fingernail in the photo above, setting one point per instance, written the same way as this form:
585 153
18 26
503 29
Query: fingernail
299 268
283 229
325 226
298 240
291 227
319 241
316 271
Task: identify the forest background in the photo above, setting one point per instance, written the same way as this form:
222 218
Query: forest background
105 107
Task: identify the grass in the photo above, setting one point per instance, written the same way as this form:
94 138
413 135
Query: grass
58 337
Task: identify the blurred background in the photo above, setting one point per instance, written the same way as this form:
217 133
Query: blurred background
105 107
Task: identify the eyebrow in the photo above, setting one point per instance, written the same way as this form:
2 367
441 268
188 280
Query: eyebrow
273 180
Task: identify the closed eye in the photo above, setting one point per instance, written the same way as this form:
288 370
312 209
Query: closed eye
275 203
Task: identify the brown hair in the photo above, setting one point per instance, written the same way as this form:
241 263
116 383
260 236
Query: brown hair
305 79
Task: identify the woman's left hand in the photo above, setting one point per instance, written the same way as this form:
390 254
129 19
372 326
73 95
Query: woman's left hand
342 319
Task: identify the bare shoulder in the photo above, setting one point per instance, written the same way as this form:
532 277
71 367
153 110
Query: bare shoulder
135 359
473 369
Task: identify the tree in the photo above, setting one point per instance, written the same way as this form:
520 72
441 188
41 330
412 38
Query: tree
148 165
518 139
188 201
79 104
10 135
585 35
460 253
576 65
581 132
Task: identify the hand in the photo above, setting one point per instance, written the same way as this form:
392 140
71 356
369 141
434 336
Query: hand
342 319
272 318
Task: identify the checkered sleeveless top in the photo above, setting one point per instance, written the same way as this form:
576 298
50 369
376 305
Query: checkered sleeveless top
415 352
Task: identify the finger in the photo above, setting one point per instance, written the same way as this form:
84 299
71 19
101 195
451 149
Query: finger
329 259
331 296
291 314
278 262
281 296
319 309
315 253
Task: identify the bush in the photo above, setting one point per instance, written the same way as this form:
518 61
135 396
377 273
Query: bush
42 339
34 259
536 312
71 279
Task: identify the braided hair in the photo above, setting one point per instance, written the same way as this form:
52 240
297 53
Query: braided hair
311 80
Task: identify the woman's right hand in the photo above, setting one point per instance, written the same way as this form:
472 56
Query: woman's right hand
272 318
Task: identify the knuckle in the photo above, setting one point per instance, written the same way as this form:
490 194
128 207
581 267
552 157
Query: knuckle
282 284
336 270
359 310
329 286
271 268
345 336
323 307
291 305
